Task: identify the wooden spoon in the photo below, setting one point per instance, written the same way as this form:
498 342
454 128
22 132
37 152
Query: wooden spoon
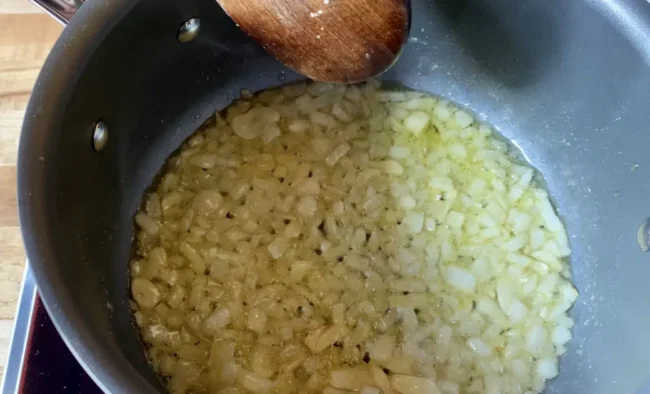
327 40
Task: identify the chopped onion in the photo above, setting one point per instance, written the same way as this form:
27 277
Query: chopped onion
216 321
414 222
561 335
324 337
307 206
147 224
460 279
463 119
299 269
417 121
392 167
338 152
370 390
382 349
207 201
195 259
256 320
407 202
547 368
311 236
413 385
253 382
351 378
248 125
478 346
399 152
536 339
145 293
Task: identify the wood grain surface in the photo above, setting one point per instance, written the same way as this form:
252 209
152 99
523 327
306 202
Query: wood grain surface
333 41
26 37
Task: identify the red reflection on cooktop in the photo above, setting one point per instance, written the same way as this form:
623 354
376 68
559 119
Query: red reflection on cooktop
48 366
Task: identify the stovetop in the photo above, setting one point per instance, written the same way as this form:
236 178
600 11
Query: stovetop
39 361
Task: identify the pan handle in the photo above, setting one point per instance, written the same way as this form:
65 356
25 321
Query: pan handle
61 10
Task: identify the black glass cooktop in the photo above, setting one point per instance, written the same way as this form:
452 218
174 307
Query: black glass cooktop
39 361
48 366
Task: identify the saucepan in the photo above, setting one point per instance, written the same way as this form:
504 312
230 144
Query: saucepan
567 81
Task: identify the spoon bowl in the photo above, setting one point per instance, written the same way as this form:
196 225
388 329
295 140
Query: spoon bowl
327 40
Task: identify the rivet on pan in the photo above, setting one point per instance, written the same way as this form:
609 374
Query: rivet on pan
100 136
189 30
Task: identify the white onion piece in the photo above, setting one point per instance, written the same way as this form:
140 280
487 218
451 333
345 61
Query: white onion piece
299 269
249 125
370 390
350 378
460 279
263 361
192 255
277 247
414 222
331 390
324 337
517 311
229 390
253 382
407 202
298 126
207 201
413 385
381 380
338 152
307 206
417 121
547 368
448 387
536 339
561 335
256 320
399 152
463 119
147 224
145 293
478 346
392 167
382 349
338 314
216 321
228 374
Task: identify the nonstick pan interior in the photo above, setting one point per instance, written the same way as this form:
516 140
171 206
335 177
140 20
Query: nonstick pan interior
565 80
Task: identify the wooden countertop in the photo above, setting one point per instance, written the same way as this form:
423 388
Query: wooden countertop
26 37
